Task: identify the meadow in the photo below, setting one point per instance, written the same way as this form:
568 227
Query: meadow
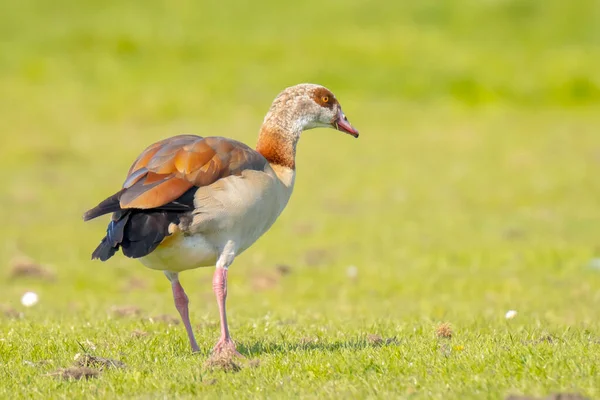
473 190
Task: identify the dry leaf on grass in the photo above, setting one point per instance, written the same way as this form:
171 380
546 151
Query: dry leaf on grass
25 267
125 311
10 312
75 373
375 340
100 363
444 330
261 281
308 340
224 361
283 269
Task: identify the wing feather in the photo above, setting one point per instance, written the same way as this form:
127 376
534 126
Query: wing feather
169 168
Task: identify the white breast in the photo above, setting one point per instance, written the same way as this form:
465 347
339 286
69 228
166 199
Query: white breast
239 209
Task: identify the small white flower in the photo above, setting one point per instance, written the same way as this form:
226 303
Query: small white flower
352 271
29 299
510 314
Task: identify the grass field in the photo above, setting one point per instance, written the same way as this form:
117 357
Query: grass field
473 190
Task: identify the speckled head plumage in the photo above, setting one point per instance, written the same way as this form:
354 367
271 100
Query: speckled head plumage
307 106
294 110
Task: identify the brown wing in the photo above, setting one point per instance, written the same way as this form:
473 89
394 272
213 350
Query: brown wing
167 169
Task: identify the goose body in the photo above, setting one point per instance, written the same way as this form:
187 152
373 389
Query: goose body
219 218
190 201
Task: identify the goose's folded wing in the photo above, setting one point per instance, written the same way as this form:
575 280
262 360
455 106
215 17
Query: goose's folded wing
166 170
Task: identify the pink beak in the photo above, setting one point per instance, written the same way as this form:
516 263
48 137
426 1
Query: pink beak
342 124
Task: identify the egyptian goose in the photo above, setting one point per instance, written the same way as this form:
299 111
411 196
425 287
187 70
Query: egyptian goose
191 201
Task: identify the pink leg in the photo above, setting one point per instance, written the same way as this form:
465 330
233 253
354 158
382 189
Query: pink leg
181 303
225 344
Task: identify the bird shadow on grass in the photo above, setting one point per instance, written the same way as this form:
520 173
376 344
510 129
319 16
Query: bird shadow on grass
258 348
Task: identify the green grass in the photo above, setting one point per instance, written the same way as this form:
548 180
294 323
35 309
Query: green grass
472 190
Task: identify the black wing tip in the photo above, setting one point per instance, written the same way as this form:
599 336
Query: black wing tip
99 211
107 206
87 216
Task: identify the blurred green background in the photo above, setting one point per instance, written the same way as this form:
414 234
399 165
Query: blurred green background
472 190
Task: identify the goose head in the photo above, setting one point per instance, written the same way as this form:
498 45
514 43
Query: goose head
308 106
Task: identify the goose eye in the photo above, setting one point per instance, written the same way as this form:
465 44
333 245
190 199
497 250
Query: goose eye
325 99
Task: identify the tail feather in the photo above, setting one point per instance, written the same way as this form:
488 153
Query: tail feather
104 251
114 237
137 232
